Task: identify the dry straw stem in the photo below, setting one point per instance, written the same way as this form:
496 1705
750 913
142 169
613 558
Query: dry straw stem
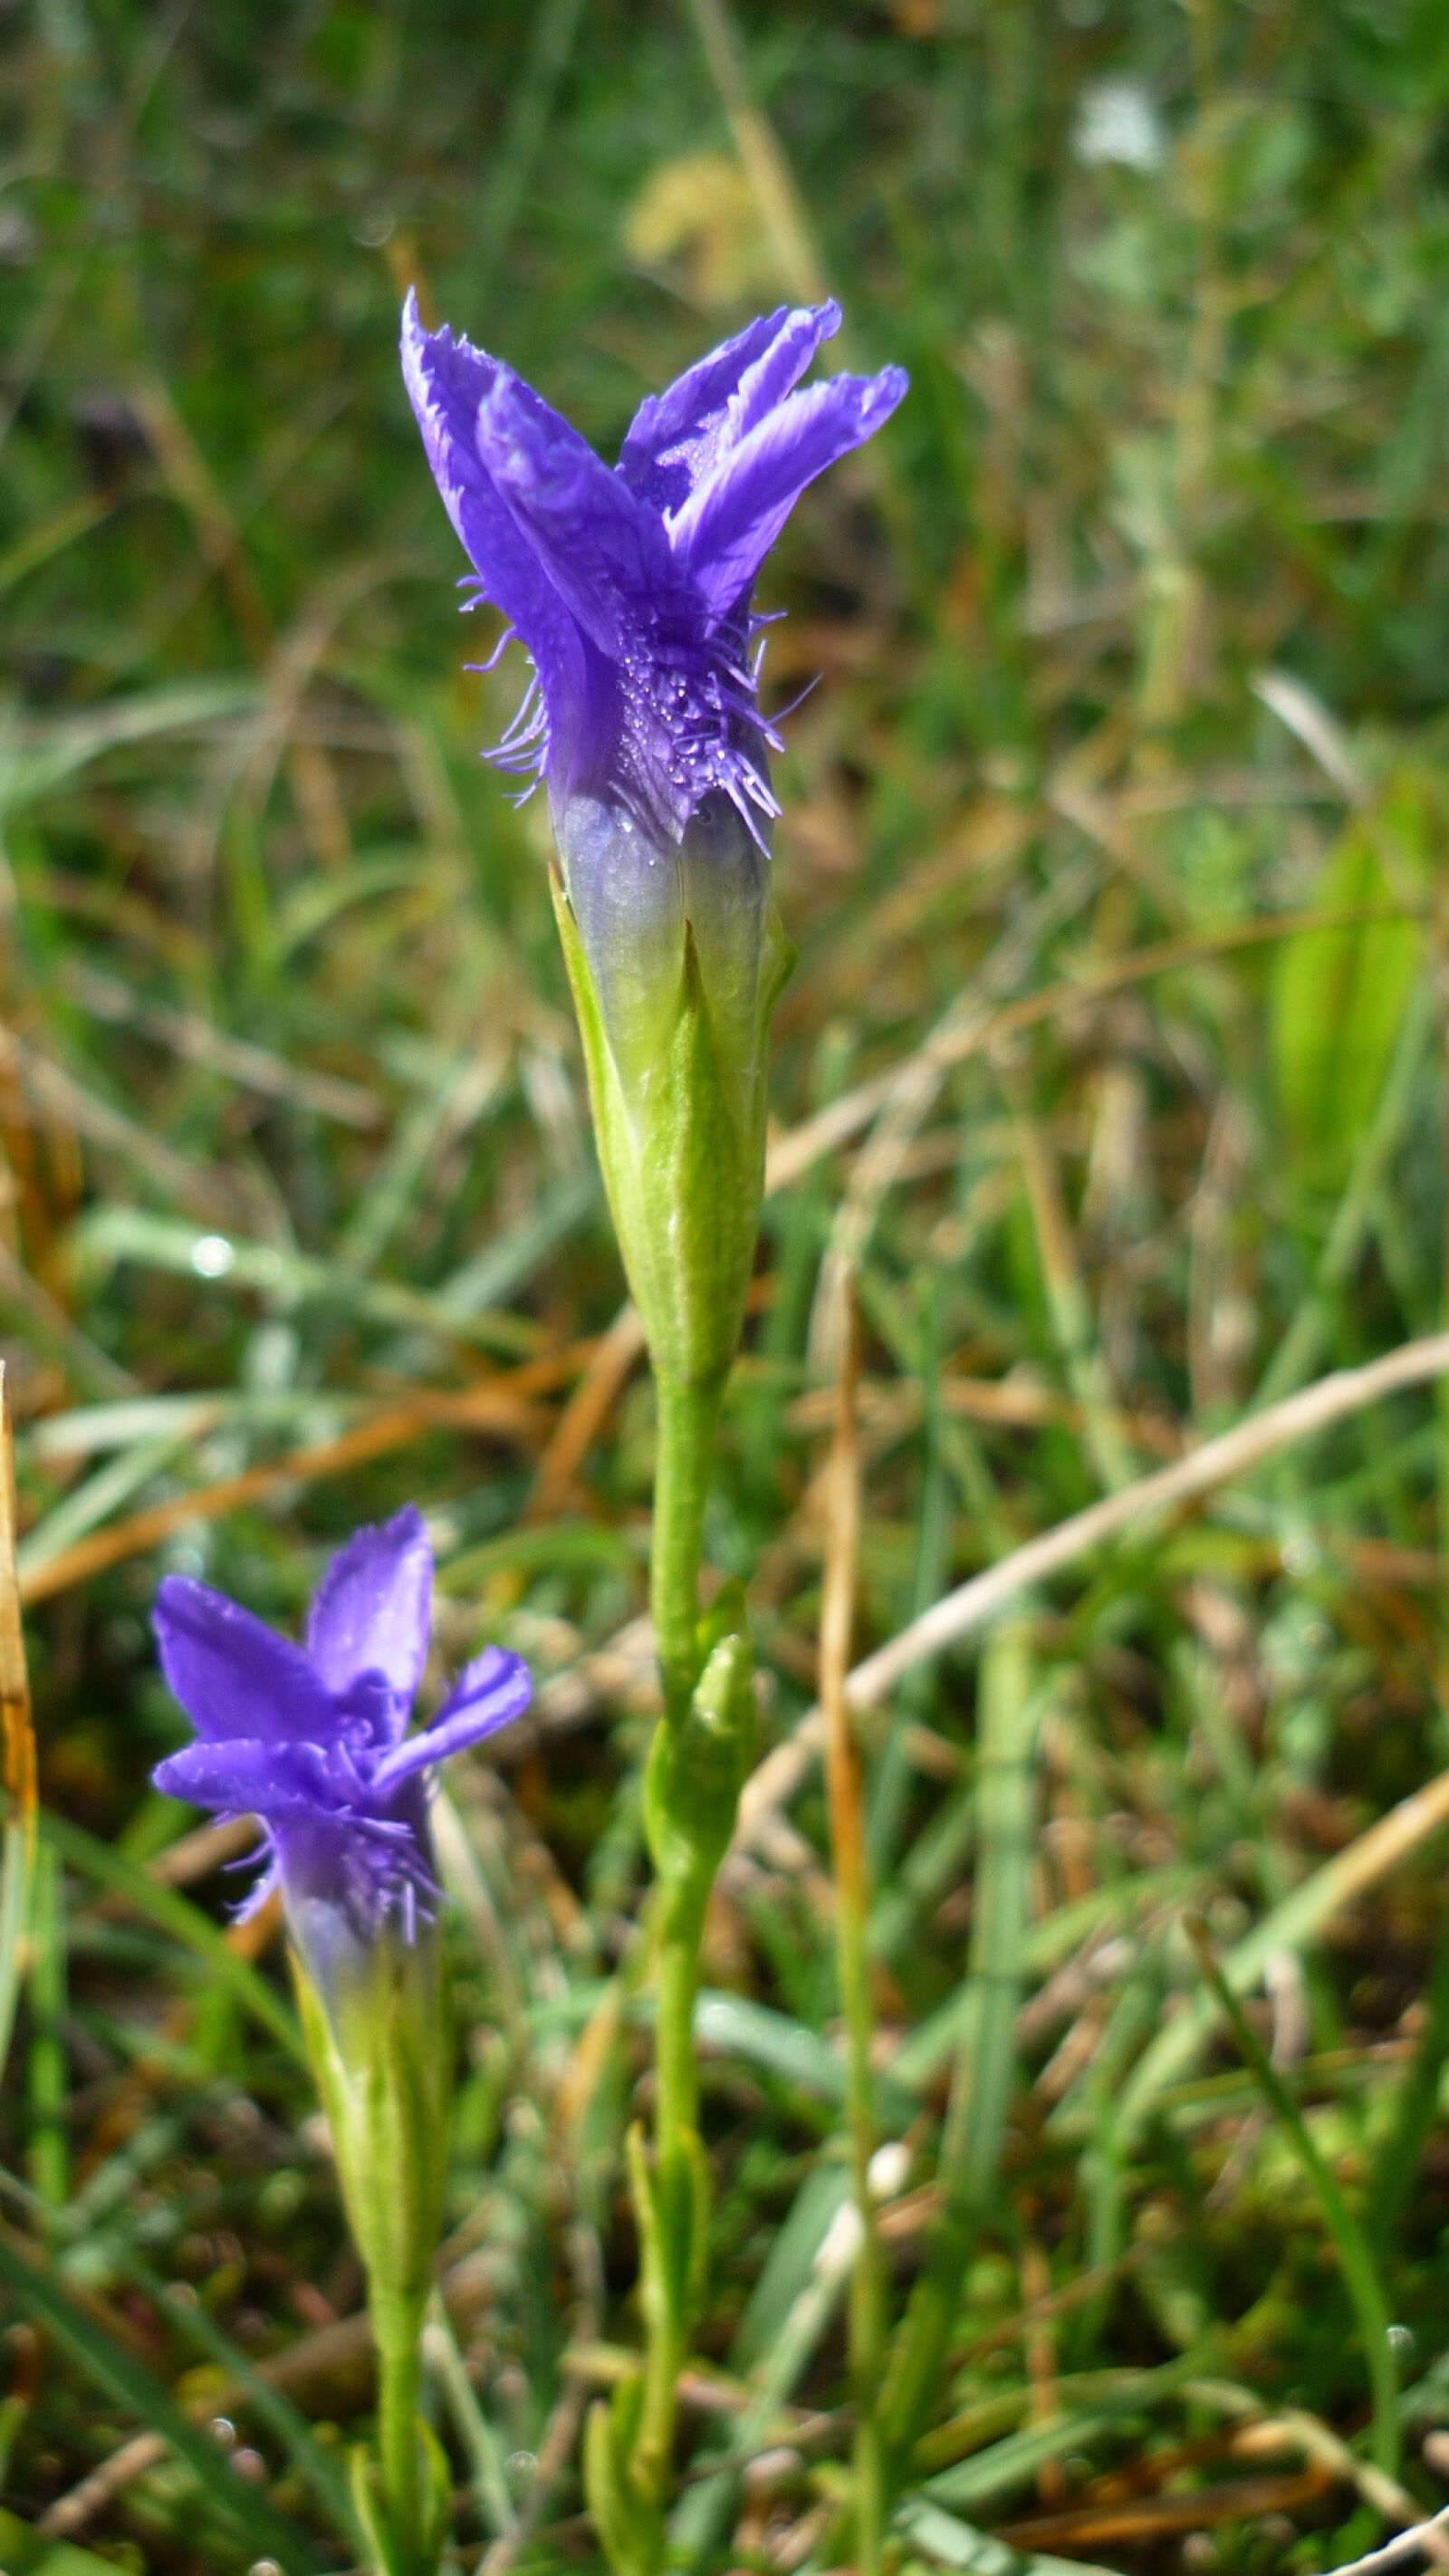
613 1357
964 1612
20 1789
1401 2551
781 211
330 2366
852 1912
21 1792
502 1407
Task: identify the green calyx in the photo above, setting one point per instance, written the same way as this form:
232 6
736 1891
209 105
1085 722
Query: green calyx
377 2037
378 2049
677 1086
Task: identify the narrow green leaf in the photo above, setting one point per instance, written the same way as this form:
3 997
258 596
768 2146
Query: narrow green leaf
1338 996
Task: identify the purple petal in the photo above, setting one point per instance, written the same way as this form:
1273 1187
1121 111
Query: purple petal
677 438
489 1692
779 368
233 1676
729 524
449 381
285 1783
604 551
371 1611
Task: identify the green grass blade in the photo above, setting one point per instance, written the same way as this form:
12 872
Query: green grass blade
1356 2261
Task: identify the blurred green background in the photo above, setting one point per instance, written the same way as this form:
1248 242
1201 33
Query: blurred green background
1113 846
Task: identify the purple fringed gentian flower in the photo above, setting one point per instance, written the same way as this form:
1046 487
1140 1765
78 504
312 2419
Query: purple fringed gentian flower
631 589
313 1740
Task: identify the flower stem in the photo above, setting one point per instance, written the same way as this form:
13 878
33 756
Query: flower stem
687 1418
677 2168
397 2328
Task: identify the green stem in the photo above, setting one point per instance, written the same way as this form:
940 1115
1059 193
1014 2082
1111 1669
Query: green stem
687 1418
397 2326
676 2171
676 2094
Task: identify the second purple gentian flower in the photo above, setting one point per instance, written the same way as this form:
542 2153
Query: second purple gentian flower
314 1741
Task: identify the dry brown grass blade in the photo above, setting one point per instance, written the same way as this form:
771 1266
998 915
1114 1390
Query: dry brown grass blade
761 158
21 1787
585 1414
20 1775
501 1410
320 803
1166 2517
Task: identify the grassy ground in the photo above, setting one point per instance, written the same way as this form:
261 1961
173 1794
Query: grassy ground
1133 639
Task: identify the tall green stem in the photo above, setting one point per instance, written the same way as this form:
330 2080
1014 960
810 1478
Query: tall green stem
672 2259
397 2326
688 1416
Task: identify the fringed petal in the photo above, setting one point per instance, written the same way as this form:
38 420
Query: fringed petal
604 552
677 439
489 1693
449 381
371 1611
235 1677
284 1783
728 524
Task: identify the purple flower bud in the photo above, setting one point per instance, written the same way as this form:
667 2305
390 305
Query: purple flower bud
313 1740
